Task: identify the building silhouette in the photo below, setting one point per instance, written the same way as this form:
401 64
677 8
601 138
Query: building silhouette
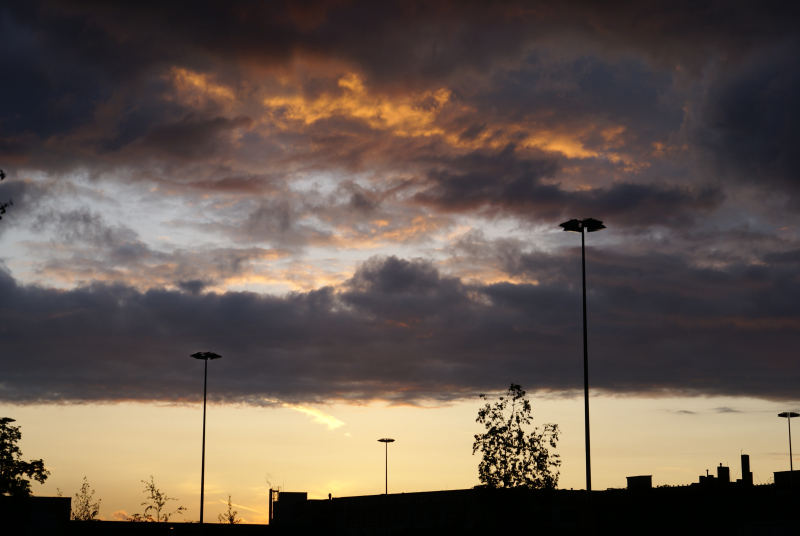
715 504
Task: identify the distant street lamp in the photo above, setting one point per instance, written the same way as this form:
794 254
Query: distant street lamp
788 416
205 356
589 225
386 441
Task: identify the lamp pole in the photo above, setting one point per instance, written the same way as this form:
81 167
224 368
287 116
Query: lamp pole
386 441
583 226
788 416
205 356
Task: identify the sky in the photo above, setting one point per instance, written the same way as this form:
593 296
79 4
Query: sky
357 204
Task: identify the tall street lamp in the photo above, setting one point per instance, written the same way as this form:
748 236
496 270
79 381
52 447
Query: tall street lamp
788 416
205 356
386 441
589 225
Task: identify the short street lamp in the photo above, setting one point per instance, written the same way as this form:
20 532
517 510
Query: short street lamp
205 356
788 416
386 441
589 225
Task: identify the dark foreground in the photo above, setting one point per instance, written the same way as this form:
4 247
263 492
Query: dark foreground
677 510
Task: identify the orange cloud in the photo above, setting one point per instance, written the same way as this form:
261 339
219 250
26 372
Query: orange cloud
297 277
196 89
412 115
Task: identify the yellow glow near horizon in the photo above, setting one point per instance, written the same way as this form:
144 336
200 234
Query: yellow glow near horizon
317 415
252 448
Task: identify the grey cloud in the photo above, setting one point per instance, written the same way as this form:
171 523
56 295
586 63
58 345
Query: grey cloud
69 56
482 178
54 87
282 221
507 181
746 125
438 38
192 137
239 183
22 197
712 312
791 257
362 202
86 226
403 291
587 90
397 330
193 286
91 249
123 54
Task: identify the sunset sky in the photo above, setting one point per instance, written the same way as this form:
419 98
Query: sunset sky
357 204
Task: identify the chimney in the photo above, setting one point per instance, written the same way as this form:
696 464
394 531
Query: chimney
723 474
747 475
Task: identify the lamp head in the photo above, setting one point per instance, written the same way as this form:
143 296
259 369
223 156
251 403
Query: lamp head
386 440
206 355
789 414
593 225
576 226
572 225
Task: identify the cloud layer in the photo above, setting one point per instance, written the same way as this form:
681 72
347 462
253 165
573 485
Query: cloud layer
400 330
359 200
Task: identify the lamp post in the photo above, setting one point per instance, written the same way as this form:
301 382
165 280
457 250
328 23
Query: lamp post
589 225
788 416
205 356
386 441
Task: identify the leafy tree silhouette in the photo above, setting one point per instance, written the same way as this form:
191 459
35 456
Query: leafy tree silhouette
230 515
84 509
5 204
156 504
513 457
13 469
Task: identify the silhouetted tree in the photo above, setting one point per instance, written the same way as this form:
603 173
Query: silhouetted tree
155 504
513 457
5 204
230 515
13 469
83 508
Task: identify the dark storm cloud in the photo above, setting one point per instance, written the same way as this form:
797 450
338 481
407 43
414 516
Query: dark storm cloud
401 330
402 291
55 85
508 182
663 111
194 286
748 120
435 37
586 89
67 56
192 137
91 80
478 179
